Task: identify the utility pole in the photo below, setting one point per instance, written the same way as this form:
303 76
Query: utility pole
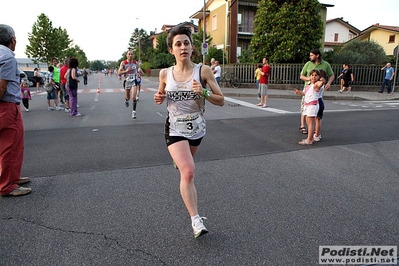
204 35
138 34
396 67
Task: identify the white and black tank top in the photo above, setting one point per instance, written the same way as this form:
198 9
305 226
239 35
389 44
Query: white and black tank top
185 107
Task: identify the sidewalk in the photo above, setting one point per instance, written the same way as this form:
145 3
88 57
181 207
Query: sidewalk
328 95
356 95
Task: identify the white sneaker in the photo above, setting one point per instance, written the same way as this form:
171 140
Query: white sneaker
67 110
50 108
58 108
134 116
78 114
318 138
26 110
264 106
199 227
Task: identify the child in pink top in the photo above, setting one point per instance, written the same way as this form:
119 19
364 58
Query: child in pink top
25 93
311 108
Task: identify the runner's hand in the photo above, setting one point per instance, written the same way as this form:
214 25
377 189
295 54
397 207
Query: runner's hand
159 97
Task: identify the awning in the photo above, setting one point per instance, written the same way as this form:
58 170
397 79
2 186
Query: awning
248 4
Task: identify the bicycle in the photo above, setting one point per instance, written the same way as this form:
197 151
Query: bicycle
230 79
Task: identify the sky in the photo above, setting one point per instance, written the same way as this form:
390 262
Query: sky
103 30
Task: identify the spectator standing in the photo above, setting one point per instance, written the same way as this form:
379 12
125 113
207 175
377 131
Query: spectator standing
213 63
323 78
11 121
389 74
72 85
347 77
263 82
63 71
185 127
25 94
257 78
52 95
84 73
217 70
56 79
311 103
37 76
315 62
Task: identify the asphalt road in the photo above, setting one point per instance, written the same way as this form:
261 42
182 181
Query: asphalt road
105 191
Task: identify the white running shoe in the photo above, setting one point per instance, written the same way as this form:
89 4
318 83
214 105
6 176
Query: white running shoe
78 114
134 116
199 227
58 108
50 108
318 138
67 110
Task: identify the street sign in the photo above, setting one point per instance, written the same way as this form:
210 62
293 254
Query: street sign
204 48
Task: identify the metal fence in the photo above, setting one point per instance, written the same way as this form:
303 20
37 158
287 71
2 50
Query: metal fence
369 75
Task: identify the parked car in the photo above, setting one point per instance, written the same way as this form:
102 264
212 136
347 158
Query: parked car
23 77
32 78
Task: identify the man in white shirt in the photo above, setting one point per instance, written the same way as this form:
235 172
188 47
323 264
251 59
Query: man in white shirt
217 72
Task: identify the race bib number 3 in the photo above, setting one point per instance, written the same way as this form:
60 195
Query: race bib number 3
189 124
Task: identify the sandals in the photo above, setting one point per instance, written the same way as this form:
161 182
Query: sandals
303 130
305 142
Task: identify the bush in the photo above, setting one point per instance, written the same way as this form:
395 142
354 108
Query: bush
356 52
146 66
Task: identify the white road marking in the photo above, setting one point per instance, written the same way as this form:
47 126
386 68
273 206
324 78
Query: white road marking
251 105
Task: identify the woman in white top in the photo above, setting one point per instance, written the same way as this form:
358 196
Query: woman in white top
183 87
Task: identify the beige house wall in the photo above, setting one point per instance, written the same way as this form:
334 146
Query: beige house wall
382 37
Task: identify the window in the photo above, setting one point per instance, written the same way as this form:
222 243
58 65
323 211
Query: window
214 22
391 39
336 37
247 21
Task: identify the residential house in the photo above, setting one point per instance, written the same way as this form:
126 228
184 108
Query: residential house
337 32
386 36
166 28
230 22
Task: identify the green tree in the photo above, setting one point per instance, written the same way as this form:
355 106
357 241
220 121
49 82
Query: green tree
213 52
360 52
285 31
246 57
46 42
161 57
198 39
97 65
77 52
145 45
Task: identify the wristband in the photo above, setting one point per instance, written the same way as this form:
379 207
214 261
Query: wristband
206 93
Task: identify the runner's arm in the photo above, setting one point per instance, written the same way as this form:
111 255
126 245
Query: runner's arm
160 96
